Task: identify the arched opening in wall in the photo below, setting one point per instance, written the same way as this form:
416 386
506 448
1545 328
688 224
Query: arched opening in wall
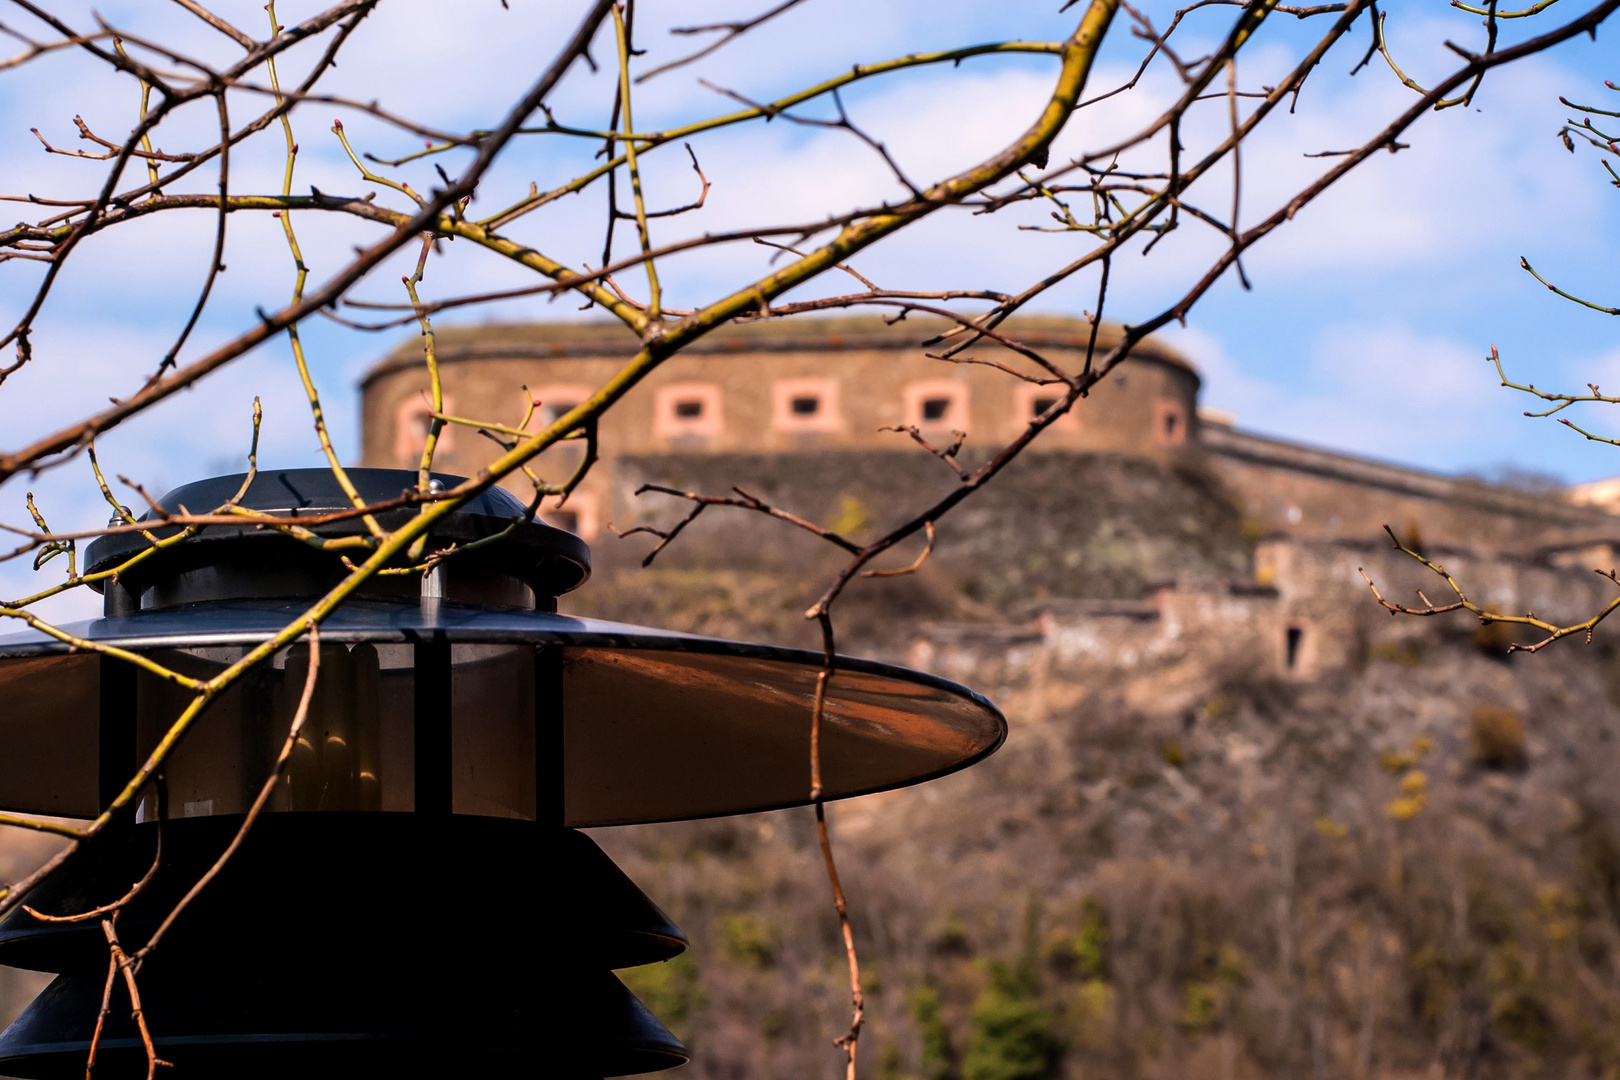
1293 643
1169 422
805 405
413 420
687 411
938 403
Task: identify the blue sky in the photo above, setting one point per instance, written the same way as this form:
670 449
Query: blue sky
1366 330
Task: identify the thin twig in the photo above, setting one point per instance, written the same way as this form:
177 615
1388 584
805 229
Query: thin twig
268 789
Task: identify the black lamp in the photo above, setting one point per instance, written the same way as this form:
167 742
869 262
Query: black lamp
422 903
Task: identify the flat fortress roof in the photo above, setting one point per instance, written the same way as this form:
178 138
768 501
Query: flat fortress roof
599 337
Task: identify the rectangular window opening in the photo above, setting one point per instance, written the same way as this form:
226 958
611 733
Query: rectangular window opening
553 410
1041 404
690 409
1295 637
935 409
805 406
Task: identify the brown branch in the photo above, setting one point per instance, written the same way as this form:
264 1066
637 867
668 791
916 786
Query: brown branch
915 565
1552 631
116 905
36 48
1180 179
122 960
216 262
113 149
849 1041
218 23
947 455
1237 166
733 31
743 501
101 1017
703 195
842 123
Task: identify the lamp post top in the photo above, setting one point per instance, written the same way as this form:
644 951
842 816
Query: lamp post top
249 561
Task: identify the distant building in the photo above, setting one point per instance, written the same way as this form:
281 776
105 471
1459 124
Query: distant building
831 384
1603 493
800 405
779 388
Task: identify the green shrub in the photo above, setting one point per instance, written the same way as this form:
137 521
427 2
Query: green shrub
1012 1033
1091 943
1093 1015
938 1057
750 939
890 1065
1200 1006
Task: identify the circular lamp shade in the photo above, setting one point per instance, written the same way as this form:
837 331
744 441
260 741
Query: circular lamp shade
654 725
454 699
472 702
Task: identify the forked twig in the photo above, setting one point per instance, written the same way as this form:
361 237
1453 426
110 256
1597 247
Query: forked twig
1553 631
946 454
916 565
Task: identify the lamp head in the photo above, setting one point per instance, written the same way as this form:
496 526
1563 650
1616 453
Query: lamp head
456 719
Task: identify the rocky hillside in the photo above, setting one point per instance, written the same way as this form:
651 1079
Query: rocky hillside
1051 526
1182 864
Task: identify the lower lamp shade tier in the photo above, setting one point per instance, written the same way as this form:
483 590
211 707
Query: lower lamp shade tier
249 1022
347 944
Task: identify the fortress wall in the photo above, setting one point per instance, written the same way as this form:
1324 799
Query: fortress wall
741 395
1318 619
873 389
1301 491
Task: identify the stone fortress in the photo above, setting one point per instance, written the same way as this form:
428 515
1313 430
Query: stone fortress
1246 825
1133 521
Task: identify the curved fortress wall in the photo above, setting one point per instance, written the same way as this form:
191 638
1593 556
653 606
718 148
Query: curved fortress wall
825 387
822 384
812 387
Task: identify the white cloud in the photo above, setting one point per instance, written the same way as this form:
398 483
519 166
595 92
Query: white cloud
1393 392
1360 388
